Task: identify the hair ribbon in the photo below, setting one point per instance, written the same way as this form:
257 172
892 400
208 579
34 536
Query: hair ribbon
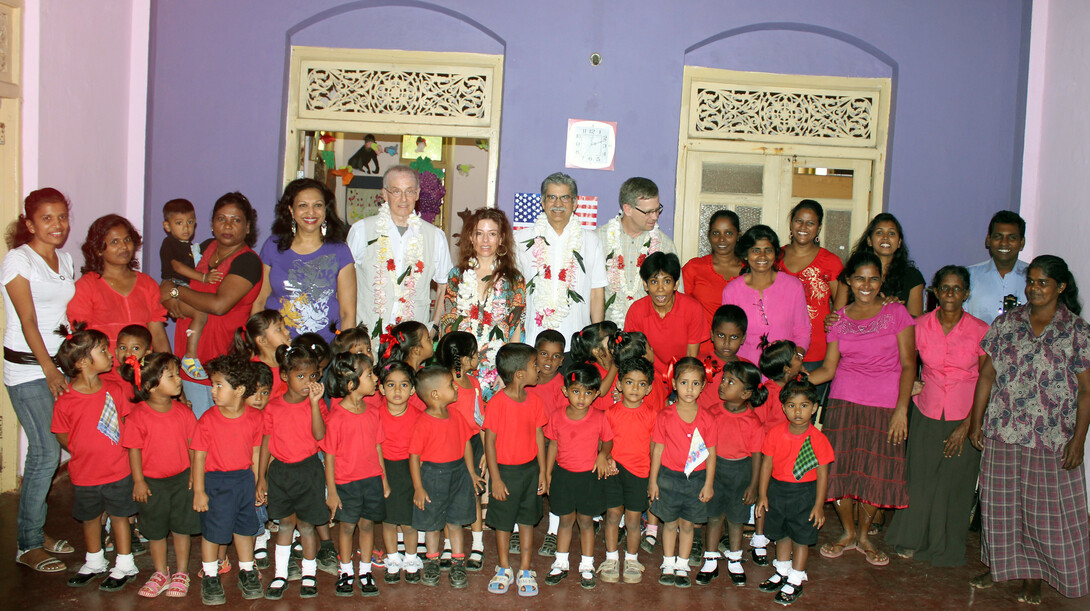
710 368
134 362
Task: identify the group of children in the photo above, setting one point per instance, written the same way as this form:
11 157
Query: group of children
303 433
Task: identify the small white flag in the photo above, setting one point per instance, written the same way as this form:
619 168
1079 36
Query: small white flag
698 453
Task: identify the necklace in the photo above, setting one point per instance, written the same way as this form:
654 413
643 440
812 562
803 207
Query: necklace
221 257
404 283
483 318
623 288
554 292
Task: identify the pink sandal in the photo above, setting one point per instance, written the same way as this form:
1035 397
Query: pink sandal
179 585
155 585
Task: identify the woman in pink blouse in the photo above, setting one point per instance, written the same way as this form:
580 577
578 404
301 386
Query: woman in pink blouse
775 303
942 468
111 294
872 352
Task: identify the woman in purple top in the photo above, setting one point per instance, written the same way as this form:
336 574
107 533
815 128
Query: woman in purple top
310 276
774 302
872 352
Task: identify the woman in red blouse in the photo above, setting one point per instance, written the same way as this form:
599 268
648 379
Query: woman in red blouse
111 294
704 278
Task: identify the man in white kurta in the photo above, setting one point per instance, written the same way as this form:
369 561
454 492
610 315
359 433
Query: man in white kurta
627 239
562 263
398 255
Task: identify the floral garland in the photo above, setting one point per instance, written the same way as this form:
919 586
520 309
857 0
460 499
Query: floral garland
619 284
482 319
386 268
554 292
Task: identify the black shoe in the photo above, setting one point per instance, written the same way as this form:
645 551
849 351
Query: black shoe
295 573
412 577
784 598
212 591
696 556
367 585
683 581
275 589
445 560
113 584
515 546
391 576
738 579
667 578
138 546
475 562
598 526
431 572
296 550
250 584
587 583
261 558
760 559
327 560
773 583
81 579
308 587
554 578
458 579
346 584
703 578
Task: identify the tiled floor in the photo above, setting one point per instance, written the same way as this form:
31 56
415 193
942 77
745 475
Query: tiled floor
843 584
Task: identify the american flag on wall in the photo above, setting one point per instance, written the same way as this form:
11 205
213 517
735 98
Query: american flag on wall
528 207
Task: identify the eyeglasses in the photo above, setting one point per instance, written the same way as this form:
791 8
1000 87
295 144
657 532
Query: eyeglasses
394 193
946 288
650 212
553 198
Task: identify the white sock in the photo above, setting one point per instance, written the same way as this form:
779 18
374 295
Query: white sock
554 523
561 558
310 567
281 555
94 562
211 569
446 545
246 566
796 578
668 563
783 567
759 541
261 540
394 560
365 568
347 568
734 557
515 529
478 540
586 563
614 555
621 523
597 518
711 560
628 556
124 563
682 565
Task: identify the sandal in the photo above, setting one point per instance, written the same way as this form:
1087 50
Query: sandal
193 369
308 586
179 585
836 549
49 564
527 583
60 546
155 585
647 543
475 562
276 588
500 582
261 558
874 556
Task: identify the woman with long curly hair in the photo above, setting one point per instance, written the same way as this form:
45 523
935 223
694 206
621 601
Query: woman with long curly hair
111 294
901 281
309 272
486 294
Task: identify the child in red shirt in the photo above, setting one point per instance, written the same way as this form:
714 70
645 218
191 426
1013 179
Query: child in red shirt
157 434
794 480
225 452
592 346
578 459
258 340
738 463
354 473
409 342
354 340
550 388
396 383
291 478
444 476
132 340
263 388
87 420
625 492
514 444
682 469
729 326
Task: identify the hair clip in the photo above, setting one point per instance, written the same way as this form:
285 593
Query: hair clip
618 339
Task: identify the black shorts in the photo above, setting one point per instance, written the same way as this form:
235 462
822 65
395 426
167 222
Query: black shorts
361 500
451 496
625 490
523 504
115 498
298 489
788 516
169 508
575 492
399 505
231 509
732 477
679 497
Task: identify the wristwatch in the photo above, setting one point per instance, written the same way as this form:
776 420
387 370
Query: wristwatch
174 292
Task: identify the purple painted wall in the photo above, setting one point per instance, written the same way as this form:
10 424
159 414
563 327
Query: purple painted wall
218 74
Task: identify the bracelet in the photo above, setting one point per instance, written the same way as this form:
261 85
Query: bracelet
204 277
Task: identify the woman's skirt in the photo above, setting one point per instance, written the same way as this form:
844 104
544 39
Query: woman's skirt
866 467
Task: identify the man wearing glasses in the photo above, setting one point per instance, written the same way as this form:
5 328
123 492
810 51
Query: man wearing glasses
562 263
627 239
998 284
398 255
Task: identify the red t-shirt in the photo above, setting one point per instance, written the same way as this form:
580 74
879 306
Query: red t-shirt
551 394
439 440
467 399
577 440
815 280
398 429
676 435
771 411
704 284
784 448
515 425
101 307
352 439
602 403
738 435
709 397
229 442
670 335
162 437
288 425
632 436
95 459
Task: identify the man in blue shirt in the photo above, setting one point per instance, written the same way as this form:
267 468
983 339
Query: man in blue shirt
998 284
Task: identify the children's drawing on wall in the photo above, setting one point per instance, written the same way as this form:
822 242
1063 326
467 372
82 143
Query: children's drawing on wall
464 168
414 146
363 198
392 150
366 155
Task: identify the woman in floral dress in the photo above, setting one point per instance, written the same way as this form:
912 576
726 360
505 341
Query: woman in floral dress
486 294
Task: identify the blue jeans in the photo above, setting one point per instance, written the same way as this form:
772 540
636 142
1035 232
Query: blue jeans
33 405
199 395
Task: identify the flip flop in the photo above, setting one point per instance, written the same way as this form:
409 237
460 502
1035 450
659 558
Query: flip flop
836 550
874 556
49 564
60 546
